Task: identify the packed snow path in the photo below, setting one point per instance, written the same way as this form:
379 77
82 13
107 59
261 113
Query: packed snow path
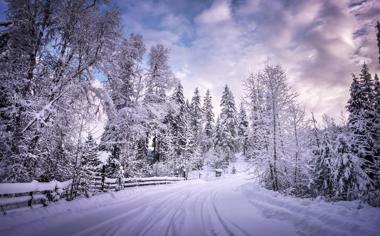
227 206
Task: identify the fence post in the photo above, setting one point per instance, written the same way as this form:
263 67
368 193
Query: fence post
103 176
31 199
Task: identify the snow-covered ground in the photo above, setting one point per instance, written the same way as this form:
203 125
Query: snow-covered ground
230 205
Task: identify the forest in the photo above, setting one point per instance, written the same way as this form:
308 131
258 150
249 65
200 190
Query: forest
53 56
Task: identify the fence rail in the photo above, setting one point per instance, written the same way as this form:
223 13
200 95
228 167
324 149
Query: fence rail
117 184
17 195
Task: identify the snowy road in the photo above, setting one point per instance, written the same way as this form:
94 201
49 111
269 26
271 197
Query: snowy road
228 206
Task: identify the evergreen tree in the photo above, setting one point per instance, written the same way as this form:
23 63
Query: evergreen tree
258 129
376 124
218 134
360 122
322 177
196 116
350 181
378 37
179 122
208 116
242 129
89 166
228 122
168 153
113 163
219 159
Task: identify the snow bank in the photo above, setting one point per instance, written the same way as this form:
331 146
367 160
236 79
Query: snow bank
315 216
34 186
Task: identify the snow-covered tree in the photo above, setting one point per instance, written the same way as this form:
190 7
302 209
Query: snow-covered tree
208 118
242 128
258 132
270 100
180 121
160 78
297 121
124 71
196 115
89 166
228 124
378 37
322 173
350 181
49 53
361 108
376 124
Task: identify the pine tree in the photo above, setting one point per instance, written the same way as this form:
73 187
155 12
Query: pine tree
168 153
376 136
378 37
89 165
322 177
208 117
228 122
350 181
242 129
113 163
219 159
179 121
218 134
360 121
376 125
196 116
258 129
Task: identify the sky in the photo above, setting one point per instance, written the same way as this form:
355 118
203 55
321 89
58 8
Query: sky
216 42
319 43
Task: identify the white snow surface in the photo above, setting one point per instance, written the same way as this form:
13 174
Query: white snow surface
230 205
34 186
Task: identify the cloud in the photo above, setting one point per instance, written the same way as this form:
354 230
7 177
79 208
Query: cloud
319 43
218 12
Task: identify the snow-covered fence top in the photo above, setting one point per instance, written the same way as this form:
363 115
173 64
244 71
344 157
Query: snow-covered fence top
116 184
34 186
16 195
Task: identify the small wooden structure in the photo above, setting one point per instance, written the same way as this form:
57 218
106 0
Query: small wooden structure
218 172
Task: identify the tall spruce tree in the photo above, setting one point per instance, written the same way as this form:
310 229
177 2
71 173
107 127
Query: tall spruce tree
228 124
89 166
179 121
361 120
196 115
378 37
376 124
258 132
322 174
208 117
350 181
242 132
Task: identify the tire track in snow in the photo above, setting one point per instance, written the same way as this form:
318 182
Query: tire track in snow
138 206
224 222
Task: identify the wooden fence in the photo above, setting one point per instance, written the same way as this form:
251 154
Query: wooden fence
17 195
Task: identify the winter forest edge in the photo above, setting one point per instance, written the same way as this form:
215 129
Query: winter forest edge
51 52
